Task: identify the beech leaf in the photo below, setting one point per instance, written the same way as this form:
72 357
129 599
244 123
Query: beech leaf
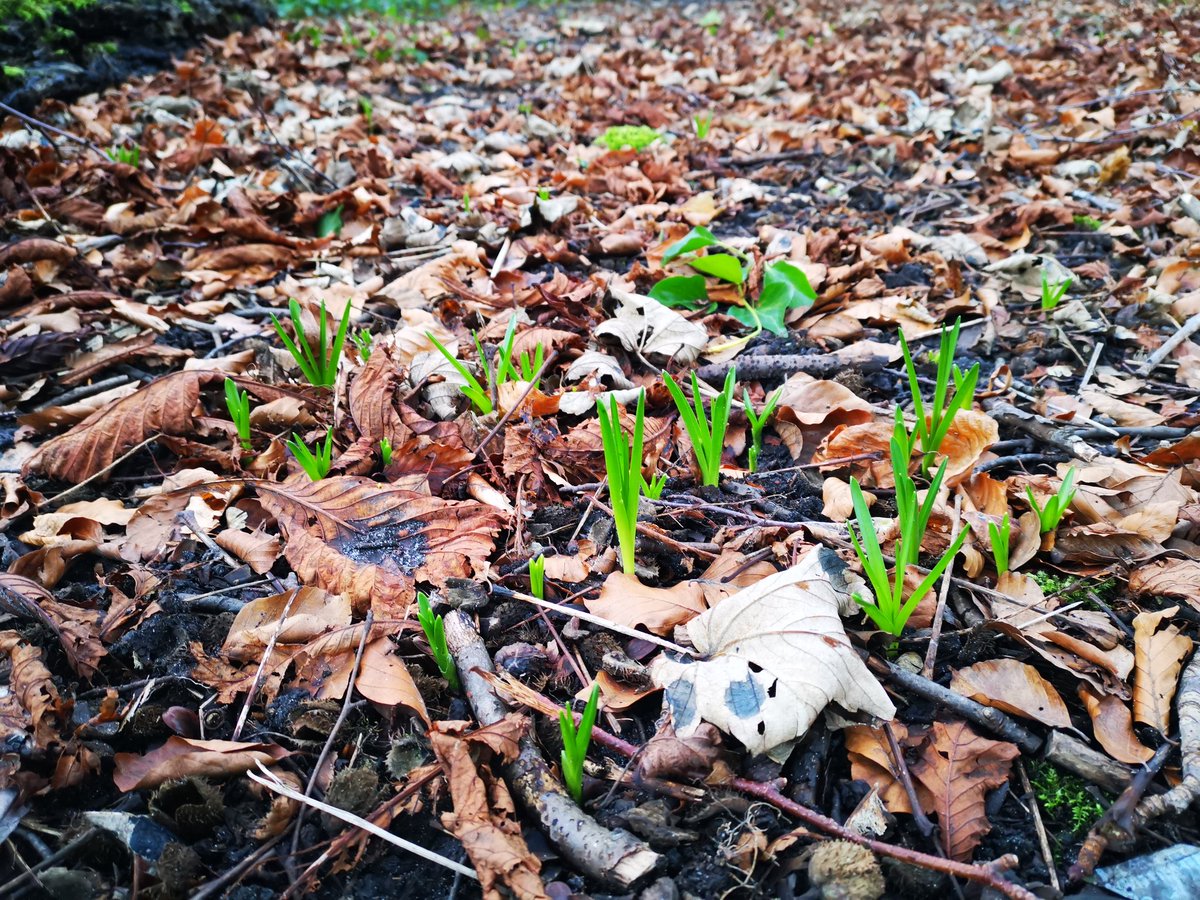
771 658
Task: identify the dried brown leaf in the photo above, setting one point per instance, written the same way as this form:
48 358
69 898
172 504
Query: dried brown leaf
1014 687
182 757
1159 655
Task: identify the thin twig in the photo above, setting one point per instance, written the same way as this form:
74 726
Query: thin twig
517 404
262 667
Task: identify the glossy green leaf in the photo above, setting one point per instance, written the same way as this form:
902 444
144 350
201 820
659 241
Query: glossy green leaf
720 265
681 291
696 239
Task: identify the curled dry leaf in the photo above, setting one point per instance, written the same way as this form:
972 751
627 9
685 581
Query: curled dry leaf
257 549
30 703
369 542
857 440
626 601
183 757
385 680
484 817
771 658
838 503
1014 687
958 768
1112 723
645 325
871 761
669 756
1159 655
165 406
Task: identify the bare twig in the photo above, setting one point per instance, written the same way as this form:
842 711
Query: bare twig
1186 330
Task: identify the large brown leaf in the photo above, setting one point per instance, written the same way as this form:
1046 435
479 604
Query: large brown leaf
1158 657
627 601
182 757
76 629
372 542
164 406
958 768
1015 687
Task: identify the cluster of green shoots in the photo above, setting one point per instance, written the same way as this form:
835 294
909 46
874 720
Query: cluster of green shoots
706 431
318 359
890 610
576 739
434 627
636 137
701 125
784 287
238 404
315 462
128 155
1052 294
507 368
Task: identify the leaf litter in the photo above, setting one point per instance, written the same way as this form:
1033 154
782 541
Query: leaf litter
181 607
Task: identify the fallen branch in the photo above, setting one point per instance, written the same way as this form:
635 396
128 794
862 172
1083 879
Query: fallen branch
1040 428
1186 330
990 874
611 856
756 367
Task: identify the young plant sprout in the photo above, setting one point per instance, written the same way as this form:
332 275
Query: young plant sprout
435 632
708 441
363 340
757 421
702 125
126 155
576 739
1052 294
654 487
636 137
385 451
891 611
525 368
537 577
1000 538
934 423
472 390
238 403
784 286
623 462
318 364
1056 507
316 465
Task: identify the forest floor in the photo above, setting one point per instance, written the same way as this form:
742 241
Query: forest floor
214 679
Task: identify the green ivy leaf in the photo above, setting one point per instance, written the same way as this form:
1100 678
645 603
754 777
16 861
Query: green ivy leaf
696 239
330 222
720 265
784 288
684 291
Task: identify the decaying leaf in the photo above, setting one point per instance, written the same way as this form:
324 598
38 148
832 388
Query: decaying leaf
31 702
771 658
1112 723
165 406
625 600
484 816
370 542
77 629
958 768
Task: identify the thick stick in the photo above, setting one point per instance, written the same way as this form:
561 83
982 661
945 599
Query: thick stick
611 856
754 367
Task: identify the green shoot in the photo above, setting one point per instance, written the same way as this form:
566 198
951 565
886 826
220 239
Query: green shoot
1056 507
435 632
363 340
576 740
891 611
708 441
933 425
472 390
330 223
537 577
1052 294
368 112
1000 537
316 465
702 125
385 451
318 365
623 462
654 487
126 155
238 403
525 368
757 422
543 194
466 203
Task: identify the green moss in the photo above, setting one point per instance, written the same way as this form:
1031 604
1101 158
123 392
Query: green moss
39 10
1065 799
638 137
1051 583
1088 223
